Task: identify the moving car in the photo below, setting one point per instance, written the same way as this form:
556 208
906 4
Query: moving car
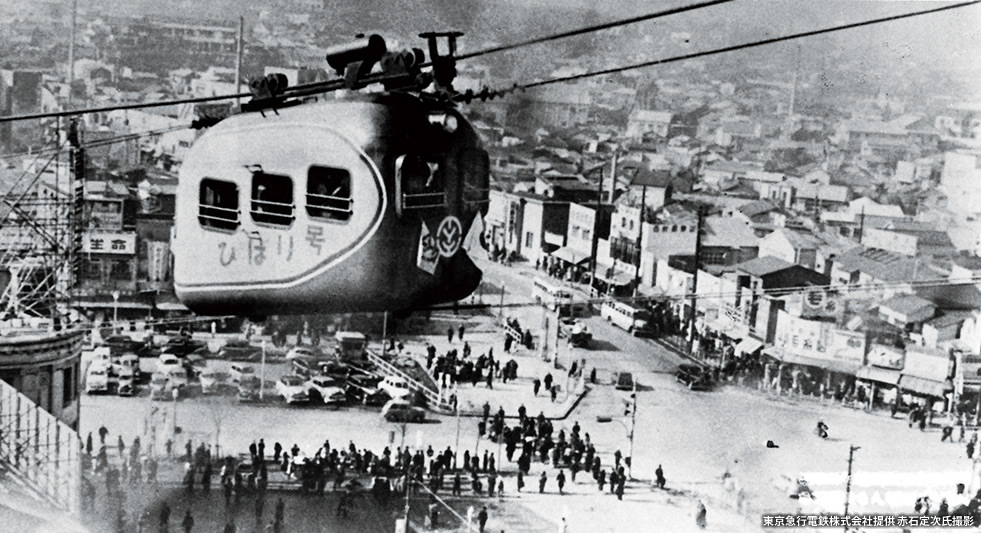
326 390
248 388
396 387
577 332
120 344
293 389
625 381
97 378
633 319
212 381
694 377
240 371
127 381
403 411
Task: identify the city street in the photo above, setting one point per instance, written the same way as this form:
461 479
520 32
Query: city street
695 436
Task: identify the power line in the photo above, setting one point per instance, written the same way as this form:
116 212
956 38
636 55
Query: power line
103 142
120 107
744 46
591 29
779 292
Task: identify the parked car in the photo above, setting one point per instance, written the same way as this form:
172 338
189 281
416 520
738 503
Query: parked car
248 388
395 386
577 332
97 377
180 346
293 389
625 381
120 344
402 411
326 390
167 361
300 351
212 381
240 350
694 377
239 371
130 360
160 387
178 376
195 364
306 366
127 381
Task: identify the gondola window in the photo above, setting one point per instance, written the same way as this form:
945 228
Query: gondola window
272 199
329 193
218 204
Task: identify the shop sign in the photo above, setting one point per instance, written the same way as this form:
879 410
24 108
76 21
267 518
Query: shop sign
109 243
805 338
927 363
885 356
848 346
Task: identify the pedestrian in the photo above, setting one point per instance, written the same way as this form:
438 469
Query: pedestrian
169 448
188 522
482 518
88 444
433 514
491 484
700 515
948 433
560 479
617 457
521 480
970 449
601 480
555 392
613 481
548 380
659 475
261 448
103 432
122 446
449 334
537 385
541 483
457 482
500 489
460 331
277 449
621 481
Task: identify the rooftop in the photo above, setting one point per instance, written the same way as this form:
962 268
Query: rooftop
646 115
906 304
759 207
882 265
762 266
728 233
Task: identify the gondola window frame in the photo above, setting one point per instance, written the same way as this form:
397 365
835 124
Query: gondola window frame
218 205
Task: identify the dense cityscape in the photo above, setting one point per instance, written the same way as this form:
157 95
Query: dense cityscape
686 288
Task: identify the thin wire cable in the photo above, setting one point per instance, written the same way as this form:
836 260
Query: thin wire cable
753 44
688 296
589 29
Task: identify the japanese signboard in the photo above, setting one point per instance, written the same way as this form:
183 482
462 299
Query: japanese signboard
158 259
806 338
886 356
109 243
928 363
848 346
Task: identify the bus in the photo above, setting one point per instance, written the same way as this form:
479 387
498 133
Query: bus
634 319
554 298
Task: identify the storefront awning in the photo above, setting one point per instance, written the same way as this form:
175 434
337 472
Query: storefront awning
881 375
570 255
928 387
748 345
618 279
842 367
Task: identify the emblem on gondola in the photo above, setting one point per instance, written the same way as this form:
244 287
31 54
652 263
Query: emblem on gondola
449 235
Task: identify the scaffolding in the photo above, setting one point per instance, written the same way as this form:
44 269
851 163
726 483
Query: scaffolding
41 232
41 452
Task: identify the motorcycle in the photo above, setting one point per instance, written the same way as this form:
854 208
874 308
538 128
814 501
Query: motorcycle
821 430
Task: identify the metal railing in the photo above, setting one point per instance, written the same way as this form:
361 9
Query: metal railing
435 399
327 206
272 212
218 217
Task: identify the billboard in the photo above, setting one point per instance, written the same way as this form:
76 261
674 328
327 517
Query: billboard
806 338
886 356
95 242
847 346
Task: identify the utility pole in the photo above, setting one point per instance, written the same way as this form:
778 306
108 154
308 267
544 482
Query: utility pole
861 225
596 220
694 283
848 482
640 235
793 93
262 372
613 177
633 424
239 47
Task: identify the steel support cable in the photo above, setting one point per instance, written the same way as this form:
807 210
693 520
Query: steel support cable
588 29
744 46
